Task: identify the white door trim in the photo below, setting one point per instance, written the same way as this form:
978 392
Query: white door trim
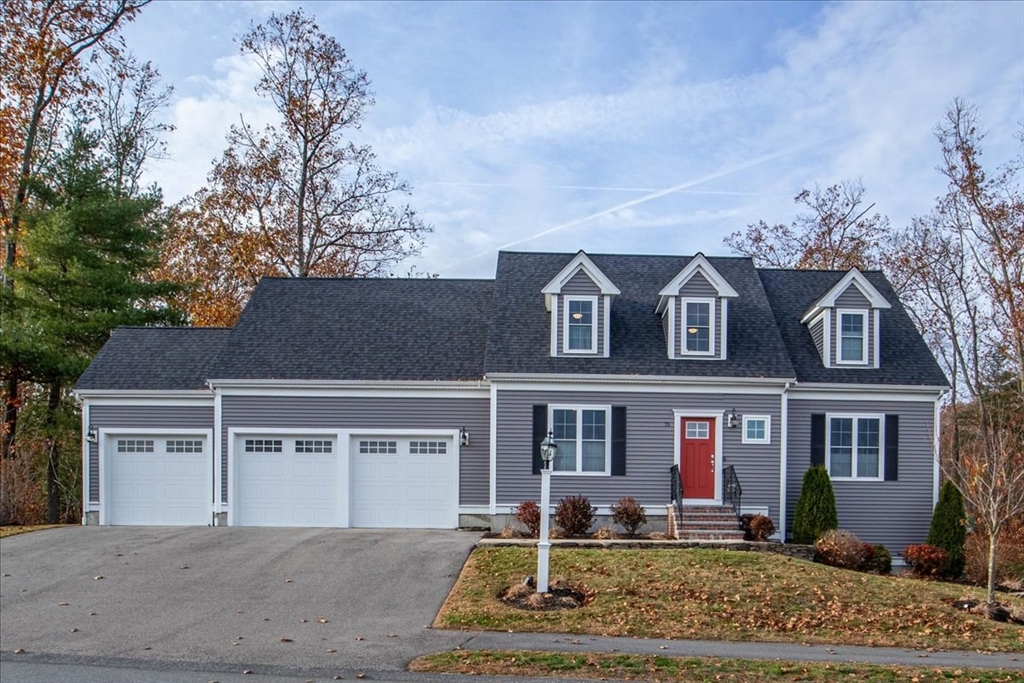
720 418
103 433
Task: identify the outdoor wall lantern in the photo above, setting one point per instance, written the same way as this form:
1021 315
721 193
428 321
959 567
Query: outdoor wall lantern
547 454
92 435
732 419
463 437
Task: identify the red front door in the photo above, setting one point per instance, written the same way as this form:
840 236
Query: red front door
697 453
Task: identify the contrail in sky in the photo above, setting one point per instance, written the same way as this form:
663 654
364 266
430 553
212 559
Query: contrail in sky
581 187
633 202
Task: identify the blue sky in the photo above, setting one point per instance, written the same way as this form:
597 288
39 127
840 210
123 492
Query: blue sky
618 127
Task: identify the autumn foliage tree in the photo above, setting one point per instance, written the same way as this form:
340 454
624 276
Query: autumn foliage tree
836 232
299 197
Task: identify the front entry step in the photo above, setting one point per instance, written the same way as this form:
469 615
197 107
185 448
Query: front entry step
708 522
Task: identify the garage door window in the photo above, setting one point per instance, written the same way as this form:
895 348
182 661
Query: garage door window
184 446
313 446
134 445
378 447
428 447
263 445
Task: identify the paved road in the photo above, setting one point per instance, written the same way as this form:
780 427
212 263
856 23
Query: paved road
239 597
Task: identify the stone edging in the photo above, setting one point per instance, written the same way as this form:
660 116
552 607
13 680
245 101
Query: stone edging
803 552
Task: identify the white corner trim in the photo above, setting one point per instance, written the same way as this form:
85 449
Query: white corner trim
86 489
783 461
218 455
724 354
580 262
876 337
554 325
936 451
607 325
492 495
672 327
826 340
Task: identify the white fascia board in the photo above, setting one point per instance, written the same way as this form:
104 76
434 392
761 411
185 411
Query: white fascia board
642 385
699 264
857 279
854 393
96 395
580 262
478 388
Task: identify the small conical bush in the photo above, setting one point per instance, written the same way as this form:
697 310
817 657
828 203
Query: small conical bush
815 508
949 527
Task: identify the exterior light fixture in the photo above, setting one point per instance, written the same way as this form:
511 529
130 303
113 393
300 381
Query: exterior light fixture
92 435
463 437
732 419
548 447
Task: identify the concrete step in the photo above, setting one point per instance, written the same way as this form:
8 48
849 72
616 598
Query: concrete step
710 534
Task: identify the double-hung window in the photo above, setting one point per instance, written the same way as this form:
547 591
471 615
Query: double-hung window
583 438
698 326
853 337
854 448
580 328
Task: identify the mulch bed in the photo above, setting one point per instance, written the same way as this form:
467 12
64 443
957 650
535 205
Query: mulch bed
560 596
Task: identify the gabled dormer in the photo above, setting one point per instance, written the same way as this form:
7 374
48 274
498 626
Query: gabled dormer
844 323
579 299
694 308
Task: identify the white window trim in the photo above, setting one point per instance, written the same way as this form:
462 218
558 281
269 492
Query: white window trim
711 325
767 428
594 322
840 312
607 409
853 463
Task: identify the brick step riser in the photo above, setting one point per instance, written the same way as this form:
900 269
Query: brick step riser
690 536
711 517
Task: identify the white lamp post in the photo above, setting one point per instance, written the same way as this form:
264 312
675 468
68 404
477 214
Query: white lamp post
547 454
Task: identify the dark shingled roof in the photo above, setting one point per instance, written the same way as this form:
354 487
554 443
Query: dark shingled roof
155 358
360 329
905 358
436 330
519 340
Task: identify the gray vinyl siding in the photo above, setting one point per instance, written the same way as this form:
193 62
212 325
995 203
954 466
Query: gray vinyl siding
328 412
579 284
853 299
818 334
650 447
146 419
894 513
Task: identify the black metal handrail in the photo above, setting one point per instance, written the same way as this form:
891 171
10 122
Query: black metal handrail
677 491
732 491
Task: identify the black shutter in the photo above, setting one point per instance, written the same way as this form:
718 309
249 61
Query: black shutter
818 439
892 447
618 441
540 432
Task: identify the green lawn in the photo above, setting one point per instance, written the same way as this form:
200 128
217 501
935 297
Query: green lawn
724 595
686 669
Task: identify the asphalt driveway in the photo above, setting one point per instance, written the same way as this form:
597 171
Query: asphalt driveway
306 598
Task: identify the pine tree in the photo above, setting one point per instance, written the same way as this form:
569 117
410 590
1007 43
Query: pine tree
815 508
949 529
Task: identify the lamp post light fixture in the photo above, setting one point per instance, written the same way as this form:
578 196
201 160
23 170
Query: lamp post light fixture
547 454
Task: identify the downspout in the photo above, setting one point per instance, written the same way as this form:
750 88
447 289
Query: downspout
783 457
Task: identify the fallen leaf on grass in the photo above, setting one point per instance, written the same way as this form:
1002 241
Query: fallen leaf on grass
62 604
321 620
96 578
287 640
331 651
247 671
359 638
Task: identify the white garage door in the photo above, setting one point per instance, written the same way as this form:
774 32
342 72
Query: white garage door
286 481
407 482
153 479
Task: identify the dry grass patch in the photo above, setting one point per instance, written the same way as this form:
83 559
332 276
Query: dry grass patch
6 531
724 595
673 669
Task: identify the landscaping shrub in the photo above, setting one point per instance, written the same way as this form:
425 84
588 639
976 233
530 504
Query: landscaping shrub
949 528
839 548
815 508
877 559
528 514
1009 555
757 527
629 514
574 515
926 560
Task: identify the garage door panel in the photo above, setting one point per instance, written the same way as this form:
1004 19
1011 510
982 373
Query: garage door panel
403 482
150 483
284 485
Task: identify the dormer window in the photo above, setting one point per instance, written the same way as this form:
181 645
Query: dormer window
698 334
853 338
580 330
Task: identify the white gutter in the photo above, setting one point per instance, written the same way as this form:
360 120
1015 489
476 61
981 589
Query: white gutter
555 378
134 393
344 384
